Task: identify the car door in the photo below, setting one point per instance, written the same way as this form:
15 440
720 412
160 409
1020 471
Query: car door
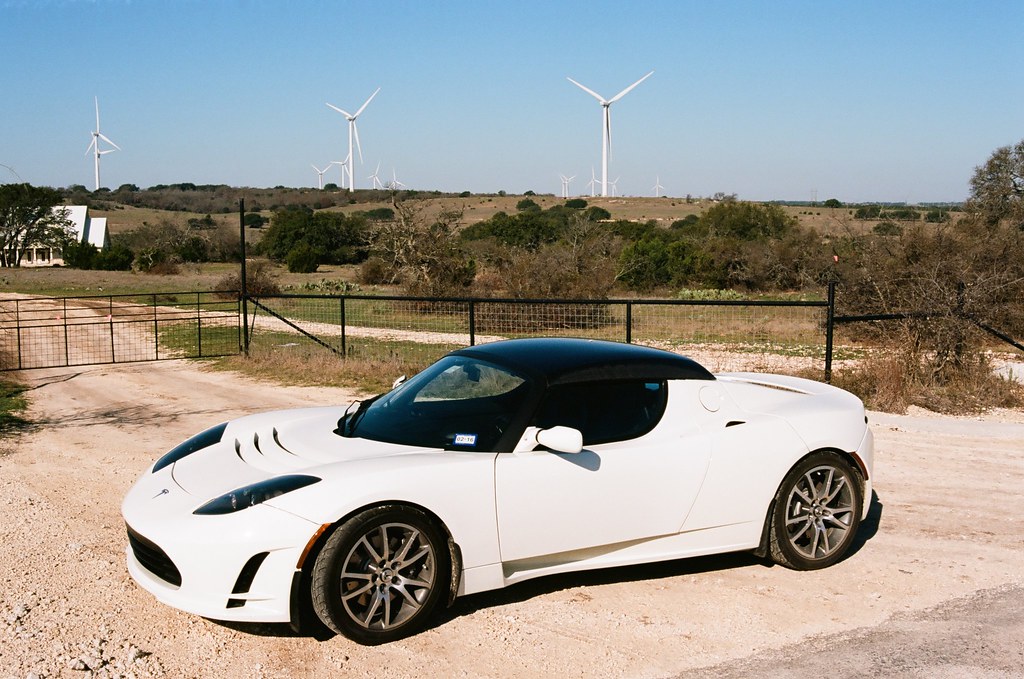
640 469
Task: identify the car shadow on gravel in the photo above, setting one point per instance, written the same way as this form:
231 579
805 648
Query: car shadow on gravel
556 583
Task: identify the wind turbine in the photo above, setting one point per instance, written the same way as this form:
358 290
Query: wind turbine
657 186
606 133
376 180
94 145
320 173
615 186
565 184
593 182
394 184
353 133
344 170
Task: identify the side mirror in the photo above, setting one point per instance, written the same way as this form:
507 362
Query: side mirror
561 439
397 382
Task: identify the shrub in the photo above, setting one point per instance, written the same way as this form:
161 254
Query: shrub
116 258
302 258
576 203
374 271
887 228
259 280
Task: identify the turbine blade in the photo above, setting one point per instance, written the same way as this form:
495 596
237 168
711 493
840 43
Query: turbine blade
363 107
359 148
623 93
587 90
341 111
91 145
97 100
104 138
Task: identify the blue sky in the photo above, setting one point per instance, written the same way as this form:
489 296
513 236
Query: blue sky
861 101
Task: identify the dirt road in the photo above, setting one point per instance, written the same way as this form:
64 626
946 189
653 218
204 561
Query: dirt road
939 566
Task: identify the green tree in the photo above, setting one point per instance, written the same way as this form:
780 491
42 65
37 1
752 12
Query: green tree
302 259
746 221
997 187
27 218
333 236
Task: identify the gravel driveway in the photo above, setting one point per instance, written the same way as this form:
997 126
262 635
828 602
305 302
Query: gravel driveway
935 588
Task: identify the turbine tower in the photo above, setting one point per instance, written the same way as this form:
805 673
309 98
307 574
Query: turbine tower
94 145
657 186
606 124
565 184
353 134
320 174
592 183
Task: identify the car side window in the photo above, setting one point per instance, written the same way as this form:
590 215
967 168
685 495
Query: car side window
604 411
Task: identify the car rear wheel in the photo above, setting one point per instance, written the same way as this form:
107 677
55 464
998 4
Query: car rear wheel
381 574
817 512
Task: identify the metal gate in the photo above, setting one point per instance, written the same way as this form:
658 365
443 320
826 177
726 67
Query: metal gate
47 332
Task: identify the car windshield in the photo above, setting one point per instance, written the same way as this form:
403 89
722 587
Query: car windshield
459 403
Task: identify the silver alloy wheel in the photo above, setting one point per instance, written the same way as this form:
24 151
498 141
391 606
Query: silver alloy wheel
387 576
820 511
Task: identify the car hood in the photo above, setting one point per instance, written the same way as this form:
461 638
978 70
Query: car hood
262 446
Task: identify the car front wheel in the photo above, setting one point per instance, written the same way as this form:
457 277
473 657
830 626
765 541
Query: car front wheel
817 512
381 574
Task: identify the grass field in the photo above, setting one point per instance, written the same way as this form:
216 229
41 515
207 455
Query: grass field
478 208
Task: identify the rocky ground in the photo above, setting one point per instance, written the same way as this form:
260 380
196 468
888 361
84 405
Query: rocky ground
935 588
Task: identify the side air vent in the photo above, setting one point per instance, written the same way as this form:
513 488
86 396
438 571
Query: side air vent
245 578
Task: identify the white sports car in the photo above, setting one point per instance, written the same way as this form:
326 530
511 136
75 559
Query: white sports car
499 463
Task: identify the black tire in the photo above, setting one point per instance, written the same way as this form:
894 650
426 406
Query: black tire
816 512
381 574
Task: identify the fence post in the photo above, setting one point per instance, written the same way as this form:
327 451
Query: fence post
64 316
199 328
156 331
472 323
110 317
17 323
244 292
344 352
629 322
830 322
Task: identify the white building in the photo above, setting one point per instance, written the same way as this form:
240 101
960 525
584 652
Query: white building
87 229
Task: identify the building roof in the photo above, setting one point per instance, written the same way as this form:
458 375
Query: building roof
87 229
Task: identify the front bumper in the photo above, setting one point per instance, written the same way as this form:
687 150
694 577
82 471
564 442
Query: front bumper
236 567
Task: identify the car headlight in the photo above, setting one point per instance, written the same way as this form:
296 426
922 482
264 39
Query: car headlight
197 442
256 493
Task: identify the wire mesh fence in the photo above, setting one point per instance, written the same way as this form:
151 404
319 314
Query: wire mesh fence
786 336
38 332
732 335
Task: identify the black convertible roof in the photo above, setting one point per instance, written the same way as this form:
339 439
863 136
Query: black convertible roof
566 360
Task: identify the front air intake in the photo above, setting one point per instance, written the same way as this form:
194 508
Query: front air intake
153 559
